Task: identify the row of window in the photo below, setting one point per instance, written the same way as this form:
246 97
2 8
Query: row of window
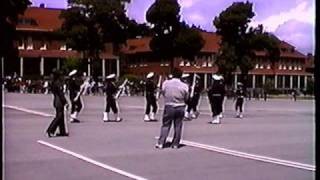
280 67
146 65
204 64
43 47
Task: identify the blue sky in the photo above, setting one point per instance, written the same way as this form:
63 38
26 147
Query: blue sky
291 20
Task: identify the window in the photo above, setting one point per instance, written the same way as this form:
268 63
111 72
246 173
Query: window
209 64
63 47
257 66
280 66
29 44
21 44
261 66
204 64
299 68
284 67
43 47
295 68
181 63
290 67
268 66
188 64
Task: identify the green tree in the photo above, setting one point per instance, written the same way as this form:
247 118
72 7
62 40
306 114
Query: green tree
9 11
90 24
239 42
172 38
188 42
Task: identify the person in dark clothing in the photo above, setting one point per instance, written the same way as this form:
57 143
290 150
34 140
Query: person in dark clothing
239 97
59 103
151 101
192 112
216 94
75 92
111 103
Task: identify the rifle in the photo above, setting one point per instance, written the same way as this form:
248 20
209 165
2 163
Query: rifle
193 85
121 88
158 86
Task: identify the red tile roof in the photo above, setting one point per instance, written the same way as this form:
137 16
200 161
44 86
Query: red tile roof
46 19
141 45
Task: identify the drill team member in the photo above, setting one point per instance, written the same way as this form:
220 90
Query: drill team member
216 95
75 92
240 95
193 102
111 91
150 98
175 95
59 103
224 97
185 79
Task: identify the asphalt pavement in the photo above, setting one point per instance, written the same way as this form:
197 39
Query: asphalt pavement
275 140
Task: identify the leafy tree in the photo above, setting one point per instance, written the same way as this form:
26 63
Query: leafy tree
172 38
90 24
188 42
239 43
9 11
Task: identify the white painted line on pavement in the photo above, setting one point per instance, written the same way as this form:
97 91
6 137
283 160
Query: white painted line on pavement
89 160
28 111
248 156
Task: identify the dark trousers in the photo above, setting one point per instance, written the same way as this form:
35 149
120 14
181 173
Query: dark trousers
239 104
75 105
58 121
193 103
172 115
111 103
151 102
216 105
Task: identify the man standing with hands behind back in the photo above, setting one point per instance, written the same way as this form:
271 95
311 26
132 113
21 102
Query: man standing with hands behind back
175 94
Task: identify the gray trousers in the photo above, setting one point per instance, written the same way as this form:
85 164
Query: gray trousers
172 115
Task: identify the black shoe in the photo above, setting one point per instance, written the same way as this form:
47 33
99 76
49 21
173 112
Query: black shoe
75 121
62 134
49 134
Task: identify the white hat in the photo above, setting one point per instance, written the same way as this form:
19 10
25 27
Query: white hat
239 84
170 76
111 76
73 72
150 75
185 75
215 77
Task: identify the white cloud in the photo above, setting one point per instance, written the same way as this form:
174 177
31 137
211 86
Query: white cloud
302 12
187 3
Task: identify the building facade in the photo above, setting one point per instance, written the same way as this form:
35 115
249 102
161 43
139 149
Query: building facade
41 50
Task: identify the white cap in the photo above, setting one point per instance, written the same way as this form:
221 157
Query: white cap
239 84
170 76
215 77
185 75
150 75
111 76
73 72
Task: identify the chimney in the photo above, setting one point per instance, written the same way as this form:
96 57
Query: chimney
42 5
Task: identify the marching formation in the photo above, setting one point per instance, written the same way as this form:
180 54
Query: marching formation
181 94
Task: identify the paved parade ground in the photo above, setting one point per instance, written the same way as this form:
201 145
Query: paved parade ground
274 141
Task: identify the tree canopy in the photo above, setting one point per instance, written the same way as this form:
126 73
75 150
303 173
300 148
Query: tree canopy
172 38
239 42
9 11
89 24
